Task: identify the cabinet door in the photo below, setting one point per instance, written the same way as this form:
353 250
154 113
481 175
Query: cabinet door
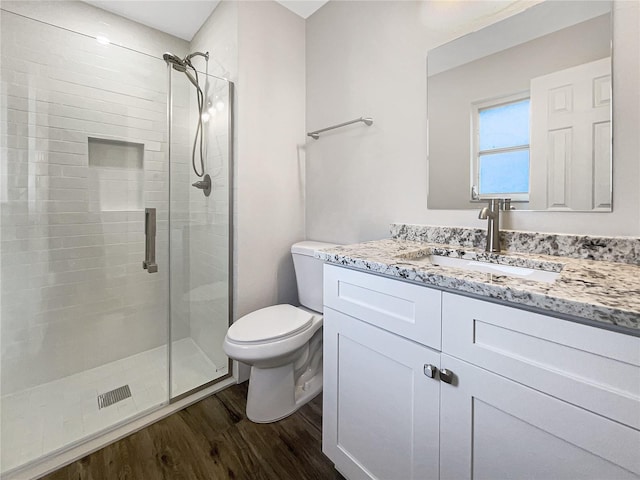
492 427
592 368
380 412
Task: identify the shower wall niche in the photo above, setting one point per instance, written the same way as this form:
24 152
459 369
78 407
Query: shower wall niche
116 174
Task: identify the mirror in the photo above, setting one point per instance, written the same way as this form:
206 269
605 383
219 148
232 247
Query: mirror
522 110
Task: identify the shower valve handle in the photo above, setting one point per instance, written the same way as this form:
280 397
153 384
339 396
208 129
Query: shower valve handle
204 185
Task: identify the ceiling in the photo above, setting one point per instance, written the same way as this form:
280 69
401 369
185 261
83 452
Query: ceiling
183 18
304 8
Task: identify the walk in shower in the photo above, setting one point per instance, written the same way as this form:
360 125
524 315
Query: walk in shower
115 271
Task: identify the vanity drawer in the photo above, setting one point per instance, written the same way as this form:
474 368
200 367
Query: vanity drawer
596 369
405 309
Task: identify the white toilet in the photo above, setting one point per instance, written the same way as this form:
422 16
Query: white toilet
283 344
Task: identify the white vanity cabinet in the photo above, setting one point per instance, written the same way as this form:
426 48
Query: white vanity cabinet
380 411
531 396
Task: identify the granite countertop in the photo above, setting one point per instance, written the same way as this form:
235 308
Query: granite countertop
601 292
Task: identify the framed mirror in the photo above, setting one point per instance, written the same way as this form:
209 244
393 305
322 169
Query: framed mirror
521 109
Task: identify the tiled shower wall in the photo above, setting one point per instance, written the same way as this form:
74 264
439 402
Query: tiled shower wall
73 293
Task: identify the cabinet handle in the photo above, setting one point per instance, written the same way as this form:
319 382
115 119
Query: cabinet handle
430 370
446 376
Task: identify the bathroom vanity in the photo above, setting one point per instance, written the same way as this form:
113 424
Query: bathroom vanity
443 372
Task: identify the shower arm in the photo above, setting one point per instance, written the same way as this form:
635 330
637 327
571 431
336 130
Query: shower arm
188 58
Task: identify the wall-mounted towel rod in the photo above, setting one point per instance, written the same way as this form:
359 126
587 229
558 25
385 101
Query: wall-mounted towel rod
367 121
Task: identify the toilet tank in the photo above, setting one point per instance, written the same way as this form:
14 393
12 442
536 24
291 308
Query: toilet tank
309 273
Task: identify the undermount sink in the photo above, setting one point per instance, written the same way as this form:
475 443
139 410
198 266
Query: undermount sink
474 265
495 268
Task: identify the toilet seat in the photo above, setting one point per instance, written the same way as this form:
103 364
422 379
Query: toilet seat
270 324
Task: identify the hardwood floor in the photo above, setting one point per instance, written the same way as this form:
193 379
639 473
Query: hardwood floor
213 439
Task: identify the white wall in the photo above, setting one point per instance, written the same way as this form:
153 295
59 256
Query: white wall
369 58
270 186
219 36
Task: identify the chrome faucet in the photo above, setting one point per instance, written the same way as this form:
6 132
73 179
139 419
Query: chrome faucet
492 214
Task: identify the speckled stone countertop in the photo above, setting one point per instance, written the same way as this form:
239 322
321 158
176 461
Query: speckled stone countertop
603 293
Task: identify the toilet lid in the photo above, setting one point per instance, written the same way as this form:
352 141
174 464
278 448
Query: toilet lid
270 323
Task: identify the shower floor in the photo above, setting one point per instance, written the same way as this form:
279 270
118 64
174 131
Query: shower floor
46 418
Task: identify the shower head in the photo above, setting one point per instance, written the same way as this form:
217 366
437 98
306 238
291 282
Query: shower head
177 63
181 66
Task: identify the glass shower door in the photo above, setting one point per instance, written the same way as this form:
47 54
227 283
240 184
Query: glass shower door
84 162
201 227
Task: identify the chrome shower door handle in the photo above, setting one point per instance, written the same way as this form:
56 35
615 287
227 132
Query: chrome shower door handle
149 262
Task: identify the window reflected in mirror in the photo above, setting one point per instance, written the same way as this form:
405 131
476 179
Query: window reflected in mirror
501 149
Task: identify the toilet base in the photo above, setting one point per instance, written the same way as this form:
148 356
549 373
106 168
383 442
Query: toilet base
273 394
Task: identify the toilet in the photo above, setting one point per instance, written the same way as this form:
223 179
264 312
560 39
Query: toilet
283 344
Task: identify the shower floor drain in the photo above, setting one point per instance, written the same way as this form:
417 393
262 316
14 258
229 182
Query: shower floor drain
113 396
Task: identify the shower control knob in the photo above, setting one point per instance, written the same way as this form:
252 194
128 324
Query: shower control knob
204 185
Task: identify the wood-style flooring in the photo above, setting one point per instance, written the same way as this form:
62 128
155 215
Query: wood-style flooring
214 440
